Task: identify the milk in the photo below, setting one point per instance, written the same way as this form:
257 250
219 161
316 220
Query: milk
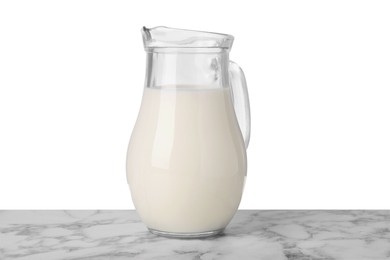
186 162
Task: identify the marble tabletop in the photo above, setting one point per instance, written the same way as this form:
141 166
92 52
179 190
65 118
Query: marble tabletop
252 234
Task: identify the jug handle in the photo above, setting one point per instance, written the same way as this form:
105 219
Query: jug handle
240 100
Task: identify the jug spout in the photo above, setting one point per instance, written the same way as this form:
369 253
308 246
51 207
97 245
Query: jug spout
165 37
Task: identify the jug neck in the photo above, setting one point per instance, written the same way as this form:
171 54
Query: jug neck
197 67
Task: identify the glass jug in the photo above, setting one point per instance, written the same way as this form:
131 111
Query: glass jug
186 160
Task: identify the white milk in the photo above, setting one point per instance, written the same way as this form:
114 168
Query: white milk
186 163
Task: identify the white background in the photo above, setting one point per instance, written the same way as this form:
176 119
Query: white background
318 73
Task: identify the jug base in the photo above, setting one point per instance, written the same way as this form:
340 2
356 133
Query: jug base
187 235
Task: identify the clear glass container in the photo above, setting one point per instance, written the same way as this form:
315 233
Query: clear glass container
186 160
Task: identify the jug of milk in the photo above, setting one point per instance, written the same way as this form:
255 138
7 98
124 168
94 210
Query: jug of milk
186 159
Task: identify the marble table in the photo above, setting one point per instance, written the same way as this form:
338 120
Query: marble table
253 234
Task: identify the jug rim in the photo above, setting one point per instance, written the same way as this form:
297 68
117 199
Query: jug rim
162 37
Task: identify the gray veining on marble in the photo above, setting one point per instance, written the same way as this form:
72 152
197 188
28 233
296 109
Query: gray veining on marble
268 235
